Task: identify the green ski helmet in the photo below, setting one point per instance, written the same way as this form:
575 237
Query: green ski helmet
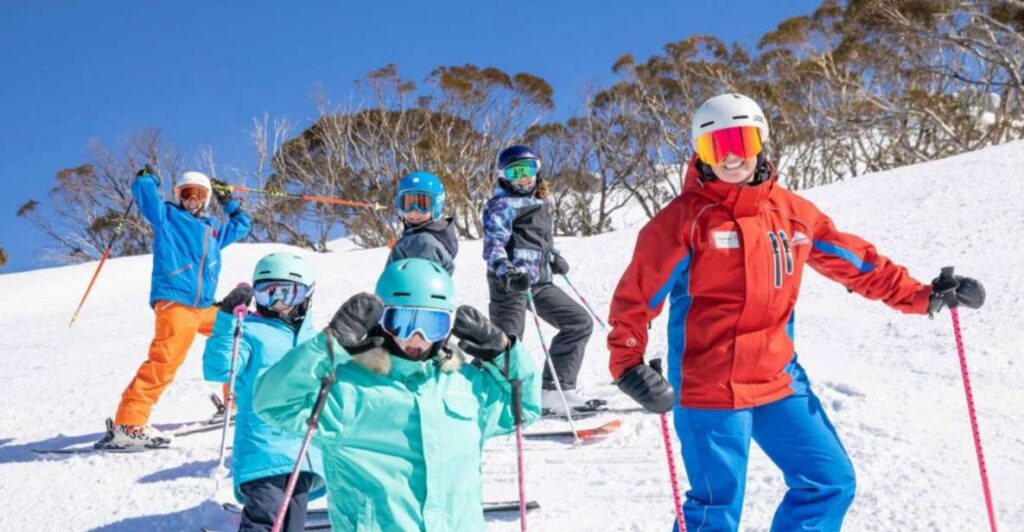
284 266
416 283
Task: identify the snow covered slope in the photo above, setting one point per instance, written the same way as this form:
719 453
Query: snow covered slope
890 382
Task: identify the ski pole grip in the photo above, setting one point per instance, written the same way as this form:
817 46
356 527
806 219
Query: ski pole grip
946 274
517 401
240 311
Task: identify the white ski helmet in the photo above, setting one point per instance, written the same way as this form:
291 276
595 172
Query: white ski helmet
193 178
725 111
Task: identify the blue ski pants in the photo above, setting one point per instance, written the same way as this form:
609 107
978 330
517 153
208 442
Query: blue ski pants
795 433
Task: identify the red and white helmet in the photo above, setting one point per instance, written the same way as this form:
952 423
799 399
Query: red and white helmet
725 111
193 179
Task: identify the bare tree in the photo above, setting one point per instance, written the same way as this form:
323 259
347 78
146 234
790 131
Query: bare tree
86 204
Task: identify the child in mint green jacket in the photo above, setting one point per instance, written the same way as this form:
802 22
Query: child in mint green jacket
404 424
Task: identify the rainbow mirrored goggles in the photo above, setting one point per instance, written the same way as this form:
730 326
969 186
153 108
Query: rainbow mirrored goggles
403 322
519 170
743 141
289 293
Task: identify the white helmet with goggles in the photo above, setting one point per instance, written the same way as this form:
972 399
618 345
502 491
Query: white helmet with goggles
728 123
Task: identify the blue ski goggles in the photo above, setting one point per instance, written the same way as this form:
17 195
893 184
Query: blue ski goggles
289 293
404 322
520 170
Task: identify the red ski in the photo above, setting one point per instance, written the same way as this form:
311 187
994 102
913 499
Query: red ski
586 435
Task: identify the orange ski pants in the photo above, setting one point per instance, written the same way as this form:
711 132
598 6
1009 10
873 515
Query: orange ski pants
176 328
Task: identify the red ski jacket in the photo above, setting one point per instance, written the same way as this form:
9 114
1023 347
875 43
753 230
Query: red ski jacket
730 260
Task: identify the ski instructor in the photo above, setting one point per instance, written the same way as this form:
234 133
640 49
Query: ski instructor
728 253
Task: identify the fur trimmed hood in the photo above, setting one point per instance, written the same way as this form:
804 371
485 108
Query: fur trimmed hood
449 359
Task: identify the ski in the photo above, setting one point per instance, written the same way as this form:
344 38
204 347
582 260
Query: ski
493 507
588 435
550 415
191 429
101 450
318 516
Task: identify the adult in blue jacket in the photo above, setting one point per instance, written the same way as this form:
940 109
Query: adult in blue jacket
263 455
186 265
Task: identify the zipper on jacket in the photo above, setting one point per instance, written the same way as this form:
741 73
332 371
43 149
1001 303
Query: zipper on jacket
777 259
789 252
202 264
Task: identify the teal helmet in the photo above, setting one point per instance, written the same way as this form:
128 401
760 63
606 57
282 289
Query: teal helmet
284 266
416 283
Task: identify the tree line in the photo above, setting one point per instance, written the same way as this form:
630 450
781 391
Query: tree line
853 87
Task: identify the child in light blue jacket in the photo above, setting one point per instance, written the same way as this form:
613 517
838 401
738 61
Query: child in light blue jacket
263 455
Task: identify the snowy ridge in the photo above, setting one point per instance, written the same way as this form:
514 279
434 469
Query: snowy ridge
890 382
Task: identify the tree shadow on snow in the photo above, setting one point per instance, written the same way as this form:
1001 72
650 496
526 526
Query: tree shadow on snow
207 513
190 470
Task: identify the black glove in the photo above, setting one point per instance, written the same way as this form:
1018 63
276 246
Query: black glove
355 325
477 335
516 280
221 191
950 290
647 387
559 266
241 295
149 170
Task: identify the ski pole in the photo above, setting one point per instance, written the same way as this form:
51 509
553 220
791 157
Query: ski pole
229 400
103 259
670 455
585 302
971 412
551 368
517 413
304 197
311 423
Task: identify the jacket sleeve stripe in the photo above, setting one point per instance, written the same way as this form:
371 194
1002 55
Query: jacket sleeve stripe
666 288
843 253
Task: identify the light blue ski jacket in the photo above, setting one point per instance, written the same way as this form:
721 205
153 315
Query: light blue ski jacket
260 450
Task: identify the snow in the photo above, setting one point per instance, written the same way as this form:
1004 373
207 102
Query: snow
891 383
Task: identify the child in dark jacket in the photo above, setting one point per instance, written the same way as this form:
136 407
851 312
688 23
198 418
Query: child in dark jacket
519 248
420 202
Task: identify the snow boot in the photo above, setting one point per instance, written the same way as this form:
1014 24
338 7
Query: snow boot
124 436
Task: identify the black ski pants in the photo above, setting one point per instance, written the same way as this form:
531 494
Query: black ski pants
508 311
263 497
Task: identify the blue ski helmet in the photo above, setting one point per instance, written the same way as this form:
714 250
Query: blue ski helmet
416 283
516 153
421 182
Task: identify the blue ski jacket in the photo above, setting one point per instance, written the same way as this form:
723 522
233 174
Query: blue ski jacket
186 248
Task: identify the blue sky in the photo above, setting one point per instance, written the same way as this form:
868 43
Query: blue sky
76 72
